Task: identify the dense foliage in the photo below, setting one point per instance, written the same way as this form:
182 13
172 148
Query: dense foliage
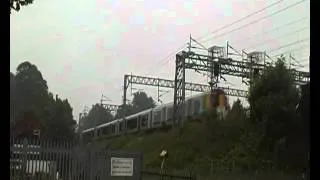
274 99
30 101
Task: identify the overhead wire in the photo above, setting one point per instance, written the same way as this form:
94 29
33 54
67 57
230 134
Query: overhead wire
225 26
292 50
290 44
255 21
165 58
241 19
272 30
279 37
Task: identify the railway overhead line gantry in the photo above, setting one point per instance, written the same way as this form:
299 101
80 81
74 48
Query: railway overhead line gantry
217 63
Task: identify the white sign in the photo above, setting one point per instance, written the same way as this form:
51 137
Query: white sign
121 166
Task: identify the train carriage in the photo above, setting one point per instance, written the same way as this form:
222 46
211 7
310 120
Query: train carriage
108 129
145 119
132 123
194 106
158 116
87 134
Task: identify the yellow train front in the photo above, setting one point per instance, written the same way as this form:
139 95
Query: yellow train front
207 103
215 101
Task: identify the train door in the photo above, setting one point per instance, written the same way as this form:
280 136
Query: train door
156 118
150 119
117 127
144 121
121 125
169 115
164 115
196 107
189 108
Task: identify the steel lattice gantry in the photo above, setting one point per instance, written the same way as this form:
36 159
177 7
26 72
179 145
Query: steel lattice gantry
222 65
228 66
166 83
150 81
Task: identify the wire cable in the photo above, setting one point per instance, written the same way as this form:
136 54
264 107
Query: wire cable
241 19
279 37
292 50
230 24
165 58
256 21
269 31
287 45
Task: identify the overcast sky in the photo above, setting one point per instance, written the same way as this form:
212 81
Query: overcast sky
83 48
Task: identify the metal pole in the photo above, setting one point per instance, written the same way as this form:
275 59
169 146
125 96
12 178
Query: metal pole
124 101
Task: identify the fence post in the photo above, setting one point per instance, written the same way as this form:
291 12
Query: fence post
91 156
24 157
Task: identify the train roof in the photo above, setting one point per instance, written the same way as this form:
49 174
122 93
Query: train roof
87 130
139 113
162 105
146 111
108 123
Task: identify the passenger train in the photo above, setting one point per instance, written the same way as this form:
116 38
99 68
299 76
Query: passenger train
162 115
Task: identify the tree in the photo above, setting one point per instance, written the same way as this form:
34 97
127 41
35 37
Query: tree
30 101
124 110
273 98
30 91
61 123
97 115
140 102
16 4
237 112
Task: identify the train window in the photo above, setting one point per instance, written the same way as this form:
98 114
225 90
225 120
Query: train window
113 129
164 113
196 106
121 126
99 132
170 113
104 130
132 123
157 117
189 110
144 121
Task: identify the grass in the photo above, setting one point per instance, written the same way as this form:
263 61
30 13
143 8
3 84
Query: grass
212 150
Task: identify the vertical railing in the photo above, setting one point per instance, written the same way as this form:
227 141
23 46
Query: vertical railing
41 159
56 160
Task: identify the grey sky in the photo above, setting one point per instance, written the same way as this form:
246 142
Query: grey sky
83 48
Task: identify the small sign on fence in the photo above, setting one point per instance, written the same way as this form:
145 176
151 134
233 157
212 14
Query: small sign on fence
121 166
124 164
36 132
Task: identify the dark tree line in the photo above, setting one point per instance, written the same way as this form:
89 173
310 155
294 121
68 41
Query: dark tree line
98 114
279 117
31 102
274 99
274 134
